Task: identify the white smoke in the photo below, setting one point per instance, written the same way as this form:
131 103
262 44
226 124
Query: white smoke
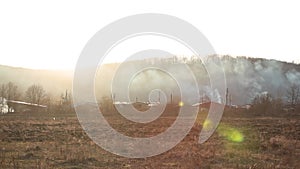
245 77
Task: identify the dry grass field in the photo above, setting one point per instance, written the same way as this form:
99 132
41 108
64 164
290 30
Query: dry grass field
36 140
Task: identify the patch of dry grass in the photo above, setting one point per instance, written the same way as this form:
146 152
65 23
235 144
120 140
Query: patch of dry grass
35 141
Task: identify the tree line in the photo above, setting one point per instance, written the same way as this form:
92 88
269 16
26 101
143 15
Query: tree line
266 104
36 94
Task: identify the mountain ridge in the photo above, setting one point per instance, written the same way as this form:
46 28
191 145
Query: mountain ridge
246 76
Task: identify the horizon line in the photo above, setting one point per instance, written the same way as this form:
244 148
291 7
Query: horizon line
115 62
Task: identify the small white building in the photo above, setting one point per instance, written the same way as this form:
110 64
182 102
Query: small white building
4 108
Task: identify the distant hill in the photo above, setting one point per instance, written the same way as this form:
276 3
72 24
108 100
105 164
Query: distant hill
54 82
246 77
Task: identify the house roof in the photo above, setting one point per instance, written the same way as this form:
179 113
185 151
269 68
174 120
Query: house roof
26 103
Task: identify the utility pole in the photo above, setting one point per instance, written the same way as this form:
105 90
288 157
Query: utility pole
113 97
226 99
159 96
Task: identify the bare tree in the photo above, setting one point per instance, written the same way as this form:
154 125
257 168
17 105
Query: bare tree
35 94
267 104
3 91
49 102
66 102
10 91
293 94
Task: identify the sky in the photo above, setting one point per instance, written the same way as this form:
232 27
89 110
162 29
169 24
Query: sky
52 34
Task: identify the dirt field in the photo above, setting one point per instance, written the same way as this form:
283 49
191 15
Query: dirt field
36 140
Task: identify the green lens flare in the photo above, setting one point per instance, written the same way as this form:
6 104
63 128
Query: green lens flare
231 134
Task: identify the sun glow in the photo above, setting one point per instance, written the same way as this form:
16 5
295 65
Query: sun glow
180 104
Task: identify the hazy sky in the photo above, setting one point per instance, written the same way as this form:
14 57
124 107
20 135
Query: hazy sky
51 35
